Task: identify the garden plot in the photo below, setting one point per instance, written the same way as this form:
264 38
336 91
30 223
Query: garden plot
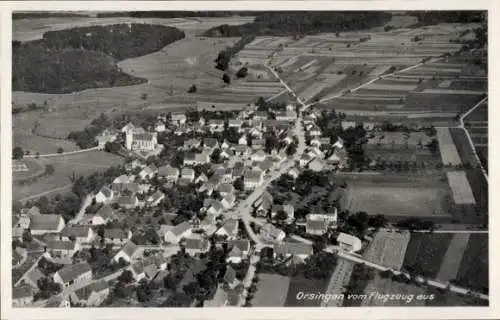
453 257
448 91
305 66
394 200
477 85
312 91
290 61
271 290
425 253
449 153
444 84
391 139
388 249
390 86
460 187
473 271
379 70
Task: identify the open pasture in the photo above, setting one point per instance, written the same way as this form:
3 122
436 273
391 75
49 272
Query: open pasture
64 167
473 271
453 257
425 253
35 168
449 153
388 249
392 139
301 284
271 290
443 103
396 196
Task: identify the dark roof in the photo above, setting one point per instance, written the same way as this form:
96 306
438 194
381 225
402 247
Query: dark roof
127 200
116 234
21 292
143 136
181 228
61 245
72 272
196 243
106 192
210 142
129 248
243 245
75 231
106 212
230 275
85 292
45 222
294 248
316 224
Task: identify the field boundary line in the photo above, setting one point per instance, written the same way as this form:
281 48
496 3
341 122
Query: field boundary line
48 155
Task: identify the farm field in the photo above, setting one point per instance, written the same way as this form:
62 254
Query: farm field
449 153
270 290
388 286
394 200
35 168
425 253
301 284
477 125
64 166
453 256
473 271
388 249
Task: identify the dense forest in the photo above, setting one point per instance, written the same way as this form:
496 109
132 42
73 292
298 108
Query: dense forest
82 58
300 22
175 14
435 17
45 14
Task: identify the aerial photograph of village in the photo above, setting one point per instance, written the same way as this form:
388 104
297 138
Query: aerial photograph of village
249 159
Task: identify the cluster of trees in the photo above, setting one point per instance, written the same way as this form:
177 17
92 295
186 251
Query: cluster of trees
36 68
66 206
29 107
17 153
416 224
426 18
86 138
360 277
291 23
224 57
82 186
85 57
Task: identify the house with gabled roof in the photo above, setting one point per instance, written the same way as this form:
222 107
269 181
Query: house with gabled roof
240 150
91 295
202 178
224 189
229 229
215 208
178 119
148 172
73 274
316 165
298 250
304 160
349 242
238 250
270 233
191 143
188 174
62 249
316 226
253 179
235 123
128 253
168 173
339 158
146 141
258 144
102 216
128 202
156 198
196 246
31 277
129 128
178 232
265 166
46 223
80 234
104 195
117 236
210 144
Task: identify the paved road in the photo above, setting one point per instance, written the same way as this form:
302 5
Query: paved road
48 155
38 195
